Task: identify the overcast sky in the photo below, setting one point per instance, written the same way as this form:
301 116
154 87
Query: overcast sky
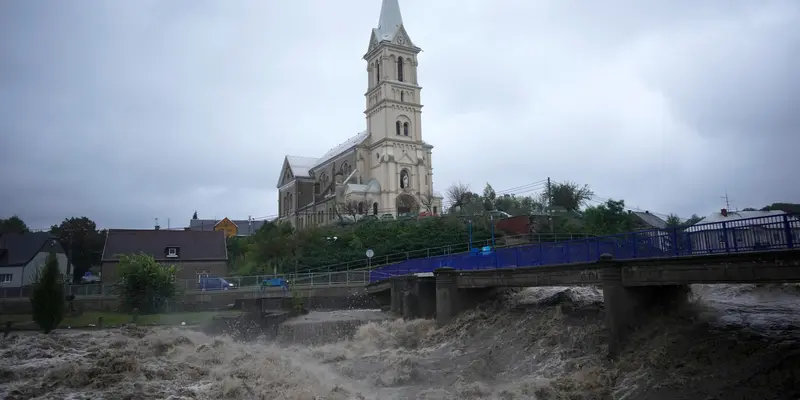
126 111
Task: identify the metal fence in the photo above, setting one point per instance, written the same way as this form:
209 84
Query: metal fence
745 235
242 283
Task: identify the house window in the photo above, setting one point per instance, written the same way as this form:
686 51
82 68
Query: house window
400 69
6 278
172 252
203 274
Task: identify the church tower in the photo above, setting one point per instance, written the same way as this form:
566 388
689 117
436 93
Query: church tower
400 159
393 93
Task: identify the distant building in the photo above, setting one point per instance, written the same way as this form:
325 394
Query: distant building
197 253
22 256
742 230
231 227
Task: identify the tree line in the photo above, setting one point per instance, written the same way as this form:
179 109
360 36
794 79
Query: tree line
279 247
79 237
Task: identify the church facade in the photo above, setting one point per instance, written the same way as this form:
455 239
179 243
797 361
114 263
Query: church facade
386 170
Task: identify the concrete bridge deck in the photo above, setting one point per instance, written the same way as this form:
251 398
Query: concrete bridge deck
631 288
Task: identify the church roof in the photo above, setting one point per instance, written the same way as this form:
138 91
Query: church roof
341 148
390 20
301 165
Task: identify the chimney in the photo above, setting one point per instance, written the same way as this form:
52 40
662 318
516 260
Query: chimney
724 212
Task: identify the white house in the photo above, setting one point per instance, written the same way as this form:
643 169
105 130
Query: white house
22 256
743 231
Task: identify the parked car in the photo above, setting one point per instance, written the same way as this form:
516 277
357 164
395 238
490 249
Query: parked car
88 278
215 283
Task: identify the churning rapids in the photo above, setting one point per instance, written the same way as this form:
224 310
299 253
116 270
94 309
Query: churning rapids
730 342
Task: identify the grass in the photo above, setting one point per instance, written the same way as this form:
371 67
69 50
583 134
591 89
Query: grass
89 319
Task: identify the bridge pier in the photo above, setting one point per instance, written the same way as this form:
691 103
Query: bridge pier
398 286
449 301
627 307
419 298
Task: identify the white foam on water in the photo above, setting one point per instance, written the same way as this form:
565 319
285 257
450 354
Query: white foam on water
528 344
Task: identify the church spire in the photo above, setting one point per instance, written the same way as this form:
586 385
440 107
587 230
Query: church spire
390 20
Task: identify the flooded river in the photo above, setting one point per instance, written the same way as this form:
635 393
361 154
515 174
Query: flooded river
731 342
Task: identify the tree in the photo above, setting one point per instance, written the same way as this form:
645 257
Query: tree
568 195
83 243
13 224
194 216
674 221
428 201
785 207
458 195
489 197
347 207
145 284
47 298
608 218
694 219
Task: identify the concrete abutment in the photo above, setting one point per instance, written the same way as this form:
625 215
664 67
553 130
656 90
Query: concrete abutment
628 307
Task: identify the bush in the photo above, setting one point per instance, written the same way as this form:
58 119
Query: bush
47 298
145 284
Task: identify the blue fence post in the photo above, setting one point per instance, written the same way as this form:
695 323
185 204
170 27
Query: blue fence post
787 231
725 235
675 241
597 243
634 253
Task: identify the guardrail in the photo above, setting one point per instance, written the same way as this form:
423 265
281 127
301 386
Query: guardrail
739 236
302 280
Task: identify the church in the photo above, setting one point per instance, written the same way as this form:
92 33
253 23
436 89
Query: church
384 171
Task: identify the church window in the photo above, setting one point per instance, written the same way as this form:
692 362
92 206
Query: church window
400 69
360 208
397 126
375 208
402 96
404 179
434 210
405 129
378 72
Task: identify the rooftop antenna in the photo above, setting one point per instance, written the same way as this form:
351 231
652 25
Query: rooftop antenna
727 201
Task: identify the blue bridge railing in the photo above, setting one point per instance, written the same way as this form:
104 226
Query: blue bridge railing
745 235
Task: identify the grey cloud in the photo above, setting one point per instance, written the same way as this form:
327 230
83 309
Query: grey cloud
127 111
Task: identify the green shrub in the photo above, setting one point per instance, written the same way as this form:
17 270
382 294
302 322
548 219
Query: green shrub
47 297
145 284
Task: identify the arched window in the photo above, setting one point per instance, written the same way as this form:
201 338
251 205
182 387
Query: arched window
400 69
405 129
375 208
397 126
378 72
402 96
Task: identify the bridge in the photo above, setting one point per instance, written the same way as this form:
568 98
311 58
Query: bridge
638 271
